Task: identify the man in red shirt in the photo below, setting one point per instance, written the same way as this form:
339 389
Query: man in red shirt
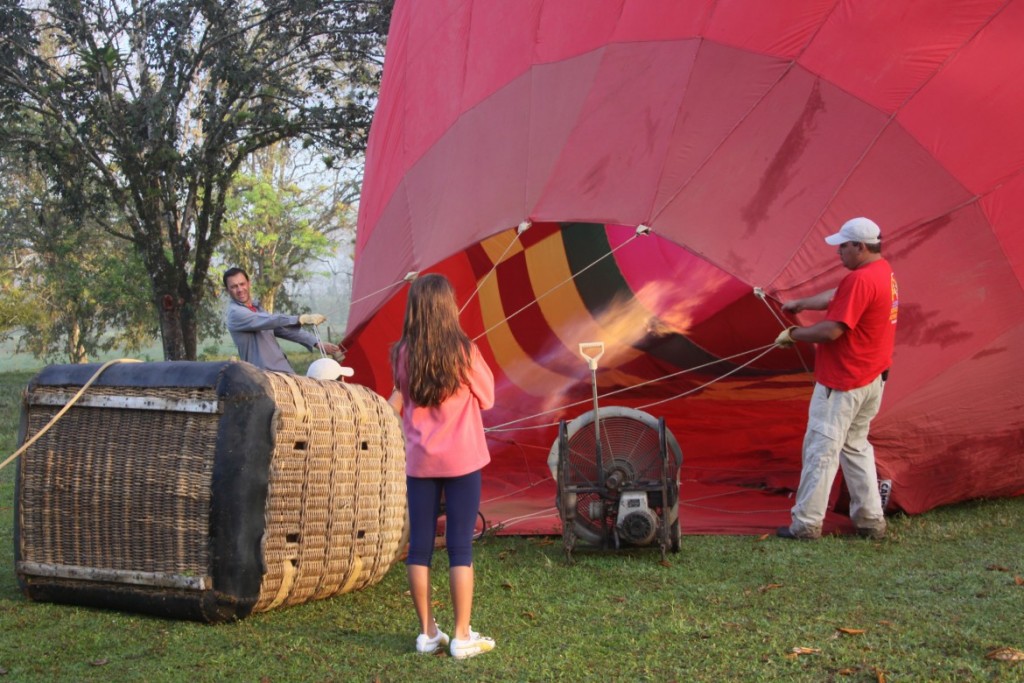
855 343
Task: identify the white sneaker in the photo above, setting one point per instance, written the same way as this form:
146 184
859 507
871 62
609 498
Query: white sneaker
475 645
425 644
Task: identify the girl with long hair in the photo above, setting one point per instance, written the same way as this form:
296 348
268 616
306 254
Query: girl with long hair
441 384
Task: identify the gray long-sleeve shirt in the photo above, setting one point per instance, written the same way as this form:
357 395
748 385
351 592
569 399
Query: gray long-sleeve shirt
254 334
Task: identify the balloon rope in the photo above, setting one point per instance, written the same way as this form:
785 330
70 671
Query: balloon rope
319 342
504 427
557 286
767 349
517 491
494 267
382 289
760 294
551 511
67 406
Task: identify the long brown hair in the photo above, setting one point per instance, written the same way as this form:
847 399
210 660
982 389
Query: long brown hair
436 350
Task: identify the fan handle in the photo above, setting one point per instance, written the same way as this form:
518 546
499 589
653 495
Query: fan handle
593 351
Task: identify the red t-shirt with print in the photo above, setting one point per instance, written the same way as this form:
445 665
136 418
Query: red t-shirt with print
866 302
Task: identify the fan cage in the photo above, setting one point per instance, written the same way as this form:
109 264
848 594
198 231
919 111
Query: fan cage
630 459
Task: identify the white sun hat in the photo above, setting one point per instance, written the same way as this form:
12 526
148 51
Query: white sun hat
329 369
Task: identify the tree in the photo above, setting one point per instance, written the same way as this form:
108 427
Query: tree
15 308
282 214
74 289
155 104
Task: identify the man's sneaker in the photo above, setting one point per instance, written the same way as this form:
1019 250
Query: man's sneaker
873 534
475 645
425 644
786 532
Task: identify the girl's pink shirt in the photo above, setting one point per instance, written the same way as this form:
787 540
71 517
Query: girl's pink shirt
448 440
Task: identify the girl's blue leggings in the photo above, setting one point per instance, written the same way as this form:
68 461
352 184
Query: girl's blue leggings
462 503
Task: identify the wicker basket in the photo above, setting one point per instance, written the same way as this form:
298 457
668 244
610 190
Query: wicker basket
205 491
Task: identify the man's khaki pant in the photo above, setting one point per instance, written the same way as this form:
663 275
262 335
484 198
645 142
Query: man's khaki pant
837 435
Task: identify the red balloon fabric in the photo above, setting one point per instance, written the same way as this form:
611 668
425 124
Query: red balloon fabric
657 175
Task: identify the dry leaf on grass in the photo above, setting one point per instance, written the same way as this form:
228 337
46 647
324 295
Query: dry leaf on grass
768 587
851 631
806 650
762 537
1005 654
99 662
1019 580
997 568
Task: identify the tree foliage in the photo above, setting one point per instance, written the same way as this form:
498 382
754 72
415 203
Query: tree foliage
283 214
74 288
15 308
155 104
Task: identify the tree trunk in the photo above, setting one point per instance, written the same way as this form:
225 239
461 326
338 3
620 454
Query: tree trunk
76 350
171 331
178 325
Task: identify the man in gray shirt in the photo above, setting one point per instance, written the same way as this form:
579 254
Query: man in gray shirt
254 330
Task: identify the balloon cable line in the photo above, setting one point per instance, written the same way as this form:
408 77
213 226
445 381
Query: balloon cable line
66 408
760 294
500 259
554 287
764 350
552 511
397 283
319 341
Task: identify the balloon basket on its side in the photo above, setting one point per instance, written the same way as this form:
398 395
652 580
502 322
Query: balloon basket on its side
205 491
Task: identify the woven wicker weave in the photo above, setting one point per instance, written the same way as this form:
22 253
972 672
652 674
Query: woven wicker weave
118 502
123 490
336 504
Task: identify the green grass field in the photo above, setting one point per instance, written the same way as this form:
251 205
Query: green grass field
926 604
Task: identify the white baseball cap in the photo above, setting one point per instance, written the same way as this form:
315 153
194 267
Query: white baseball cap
328 368
860 229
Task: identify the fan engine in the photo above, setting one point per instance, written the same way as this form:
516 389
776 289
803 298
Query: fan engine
628 494
617 472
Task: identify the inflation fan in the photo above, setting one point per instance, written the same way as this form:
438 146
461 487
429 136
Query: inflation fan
617 473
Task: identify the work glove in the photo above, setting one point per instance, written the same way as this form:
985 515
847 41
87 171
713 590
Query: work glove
785 338
311 319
